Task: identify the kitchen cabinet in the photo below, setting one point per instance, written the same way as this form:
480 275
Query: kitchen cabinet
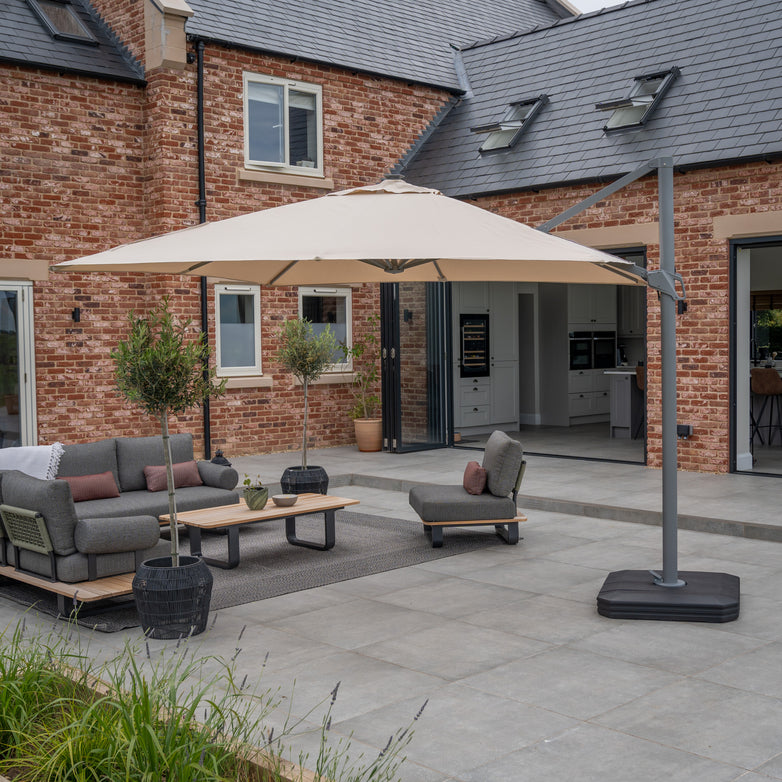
626 411
474 402
588 393
505 392
631 311
590 306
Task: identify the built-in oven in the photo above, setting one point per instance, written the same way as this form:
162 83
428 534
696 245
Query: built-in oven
604 349
580 350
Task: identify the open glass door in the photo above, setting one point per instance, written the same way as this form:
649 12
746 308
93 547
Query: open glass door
417 396
17 377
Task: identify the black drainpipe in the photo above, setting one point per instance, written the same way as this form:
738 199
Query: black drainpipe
201 204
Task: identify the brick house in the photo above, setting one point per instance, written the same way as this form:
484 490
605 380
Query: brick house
123 120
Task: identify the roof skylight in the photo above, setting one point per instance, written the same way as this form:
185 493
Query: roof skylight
505 133
60 19
637 107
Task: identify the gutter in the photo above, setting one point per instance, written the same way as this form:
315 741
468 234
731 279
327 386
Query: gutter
201 204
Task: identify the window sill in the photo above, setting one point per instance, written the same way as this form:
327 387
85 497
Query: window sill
274 178
252 381
330 378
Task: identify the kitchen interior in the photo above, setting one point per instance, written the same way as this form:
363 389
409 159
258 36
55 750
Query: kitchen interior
561 365
758 294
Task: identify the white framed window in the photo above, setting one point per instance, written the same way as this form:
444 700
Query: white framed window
283 125
325 306
238 322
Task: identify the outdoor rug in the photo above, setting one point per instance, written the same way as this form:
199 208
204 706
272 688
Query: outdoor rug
270 566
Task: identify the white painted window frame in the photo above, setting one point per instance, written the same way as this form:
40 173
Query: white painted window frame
287 84
347 294
255 369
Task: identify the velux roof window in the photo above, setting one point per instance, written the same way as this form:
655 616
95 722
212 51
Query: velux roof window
505 133
60 19
637 107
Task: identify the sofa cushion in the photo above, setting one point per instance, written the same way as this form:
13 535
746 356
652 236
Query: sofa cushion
185 474
89 459
136 453
502 461
91 487
474 481
147 503
52 499
453 503
111 536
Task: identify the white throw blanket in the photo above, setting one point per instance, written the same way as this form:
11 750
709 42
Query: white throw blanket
40 461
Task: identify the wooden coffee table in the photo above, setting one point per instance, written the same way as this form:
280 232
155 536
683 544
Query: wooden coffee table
231 517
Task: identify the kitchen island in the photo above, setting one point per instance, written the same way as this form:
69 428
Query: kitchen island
626 403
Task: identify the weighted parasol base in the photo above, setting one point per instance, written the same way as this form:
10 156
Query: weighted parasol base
705 597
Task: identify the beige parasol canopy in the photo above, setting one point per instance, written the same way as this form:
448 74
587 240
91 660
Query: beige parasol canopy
388 232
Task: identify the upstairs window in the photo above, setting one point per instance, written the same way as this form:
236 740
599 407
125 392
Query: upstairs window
505 133
637 107
282 125
60 19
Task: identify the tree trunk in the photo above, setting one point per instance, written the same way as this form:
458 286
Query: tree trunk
171 490
304 436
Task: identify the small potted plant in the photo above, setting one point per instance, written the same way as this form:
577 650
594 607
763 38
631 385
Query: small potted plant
365 355
255 494
307 356
161 368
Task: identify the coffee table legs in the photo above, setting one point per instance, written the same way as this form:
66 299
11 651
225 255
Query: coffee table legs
329 536
233 548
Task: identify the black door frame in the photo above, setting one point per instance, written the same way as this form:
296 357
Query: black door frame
390 370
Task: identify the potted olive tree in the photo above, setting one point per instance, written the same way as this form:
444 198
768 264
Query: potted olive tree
306 356
161 368
365 356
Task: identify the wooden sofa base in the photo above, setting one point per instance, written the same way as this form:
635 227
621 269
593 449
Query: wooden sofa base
78 595
507 530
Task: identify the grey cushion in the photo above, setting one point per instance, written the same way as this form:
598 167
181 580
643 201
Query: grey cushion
453 503
110 536
135 453
73 568
52 499
146 503
89 459
502 461
218 475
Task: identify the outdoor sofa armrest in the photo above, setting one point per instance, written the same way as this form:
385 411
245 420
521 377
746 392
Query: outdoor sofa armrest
218 475
116 535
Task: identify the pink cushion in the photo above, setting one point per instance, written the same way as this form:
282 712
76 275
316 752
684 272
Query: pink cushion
185 474
92 487
474 478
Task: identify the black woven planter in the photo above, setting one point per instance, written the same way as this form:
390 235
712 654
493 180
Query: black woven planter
297 480
173 602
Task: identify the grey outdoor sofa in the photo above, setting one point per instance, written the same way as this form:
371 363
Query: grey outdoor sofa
453 506
50 535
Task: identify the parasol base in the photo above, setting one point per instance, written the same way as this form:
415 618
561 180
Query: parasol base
705 597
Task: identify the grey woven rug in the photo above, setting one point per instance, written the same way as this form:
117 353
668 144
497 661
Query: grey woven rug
270 566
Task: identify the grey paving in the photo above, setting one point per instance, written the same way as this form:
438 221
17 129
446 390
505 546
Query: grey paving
524 680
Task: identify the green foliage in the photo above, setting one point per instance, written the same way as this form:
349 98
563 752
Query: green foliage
161 366
365 354
307 356
255 483
163 370
177 718
302 352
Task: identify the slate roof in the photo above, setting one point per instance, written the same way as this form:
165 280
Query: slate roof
725 105
406 39
24 40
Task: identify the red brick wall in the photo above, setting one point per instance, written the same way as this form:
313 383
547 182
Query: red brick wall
90 164
703 331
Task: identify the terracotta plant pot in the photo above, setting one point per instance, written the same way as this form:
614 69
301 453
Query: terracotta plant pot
255 497
369 433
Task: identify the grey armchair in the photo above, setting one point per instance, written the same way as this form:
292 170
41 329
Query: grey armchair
453 506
